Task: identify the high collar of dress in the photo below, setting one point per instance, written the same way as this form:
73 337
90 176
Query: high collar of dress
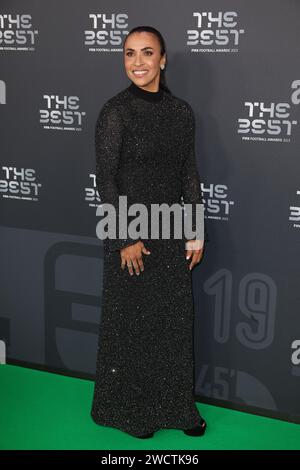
153 96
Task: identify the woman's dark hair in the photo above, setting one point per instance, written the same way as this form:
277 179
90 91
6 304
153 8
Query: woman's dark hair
150 29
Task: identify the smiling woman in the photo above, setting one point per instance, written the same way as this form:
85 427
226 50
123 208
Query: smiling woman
144 62
144 140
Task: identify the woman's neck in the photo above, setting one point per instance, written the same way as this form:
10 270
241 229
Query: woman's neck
153 96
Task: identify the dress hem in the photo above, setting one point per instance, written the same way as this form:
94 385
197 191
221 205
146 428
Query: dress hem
148 431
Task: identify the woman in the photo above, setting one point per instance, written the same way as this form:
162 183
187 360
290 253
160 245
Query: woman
144 142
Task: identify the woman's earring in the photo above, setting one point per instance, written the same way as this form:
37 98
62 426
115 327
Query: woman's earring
162 66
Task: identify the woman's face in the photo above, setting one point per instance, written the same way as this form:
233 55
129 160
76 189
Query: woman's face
142 53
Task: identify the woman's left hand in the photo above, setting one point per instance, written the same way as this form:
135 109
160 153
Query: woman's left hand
194 248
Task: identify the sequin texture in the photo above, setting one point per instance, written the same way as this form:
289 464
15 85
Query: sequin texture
145 366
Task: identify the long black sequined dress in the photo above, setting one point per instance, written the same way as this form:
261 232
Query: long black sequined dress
145 367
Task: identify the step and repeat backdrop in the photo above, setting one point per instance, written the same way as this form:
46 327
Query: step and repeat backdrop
237 63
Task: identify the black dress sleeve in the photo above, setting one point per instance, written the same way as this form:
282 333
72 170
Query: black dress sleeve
191 186
108 145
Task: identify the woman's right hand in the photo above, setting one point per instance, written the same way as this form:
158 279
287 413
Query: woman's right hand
132 257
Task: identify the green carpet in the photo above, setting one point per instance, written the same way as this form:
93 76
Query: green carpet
41 410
